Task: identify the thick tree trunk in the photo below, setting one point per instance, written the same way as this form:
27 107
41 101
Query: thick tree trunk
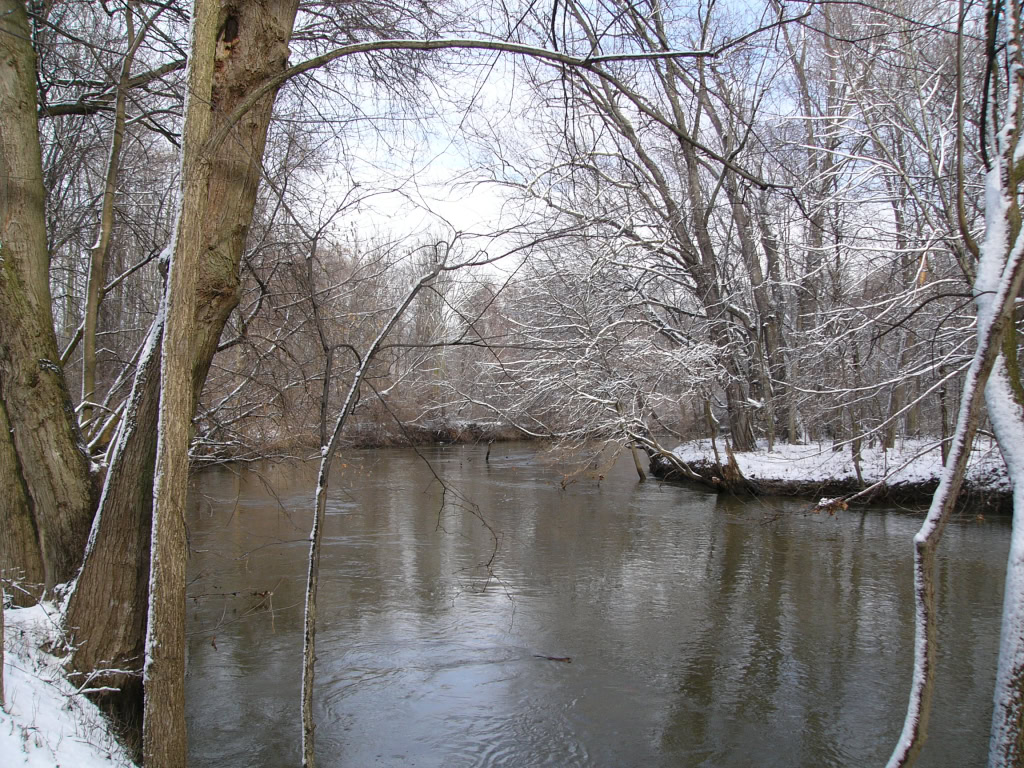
117 567
257 52
115 571
164 741
118 561
47 473
21 558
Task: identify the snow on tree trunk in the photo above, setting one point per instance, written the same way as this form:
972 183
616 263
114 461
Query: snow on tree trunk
117 564
117 552
1008 711
164 741
999 279
998 285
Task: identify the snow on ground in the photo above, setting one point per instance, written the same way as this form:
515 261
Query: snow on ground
909 461
44 723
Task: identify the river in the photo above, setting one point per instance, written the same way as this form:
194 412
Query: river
684 629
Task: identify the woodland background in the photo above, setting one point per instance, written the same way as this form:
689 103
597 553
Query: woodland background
765 221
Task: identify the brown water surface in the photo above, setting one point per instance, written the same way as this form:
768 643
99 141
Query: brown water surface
702 631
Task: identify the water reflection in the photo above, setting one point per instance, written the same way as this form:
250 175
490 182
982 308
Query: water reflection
702 630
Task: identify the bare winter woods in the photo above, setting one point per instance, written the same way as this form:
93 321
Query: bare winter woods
769 222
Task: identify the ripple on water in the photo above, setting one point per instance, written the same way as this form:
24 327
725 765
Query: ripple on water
702 632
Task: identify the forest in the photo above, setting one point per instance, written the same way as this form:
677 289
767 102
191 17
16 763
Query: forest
245 230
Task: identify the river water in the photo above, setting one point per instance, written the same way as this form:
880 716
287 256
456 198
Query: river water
702 631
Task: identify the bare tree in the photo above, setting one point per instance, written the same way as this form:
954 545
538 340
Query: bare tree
666 161
993 379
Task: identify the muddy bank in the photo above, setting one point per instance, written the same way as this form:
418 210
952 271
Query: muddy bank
374 436
304 444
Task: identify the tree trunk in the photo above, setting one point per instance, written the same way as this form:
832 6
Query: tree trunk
164 742
709 290
115 570
773 320
327 450
98 254
118 561
46 477
1006 412
636 462
20 555
993 374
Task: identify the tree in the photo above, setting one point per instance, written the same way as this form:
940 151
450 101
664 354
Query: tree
662 165
116 568
98 254
583 358
164 741
133 558
329 446
993 379
44 468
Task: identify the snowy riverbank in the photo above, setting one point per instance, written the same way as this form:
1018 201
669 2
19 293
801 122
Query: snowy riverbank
909 472
44 722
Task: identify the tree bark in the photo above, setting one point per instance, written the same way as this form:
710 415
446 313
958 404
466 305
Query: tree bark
98 254
164 741
21 558
114 573
117 567
46 467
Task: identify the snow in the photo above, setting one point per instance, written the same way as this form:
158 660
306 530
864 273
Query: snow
909 461
45 723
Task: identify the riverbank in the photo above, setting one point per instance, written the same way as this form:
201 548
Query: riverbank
460 433
908 473
45 721
207 452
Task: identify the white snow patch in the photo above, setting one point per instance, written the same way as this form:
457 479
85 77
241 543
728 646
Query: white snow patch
910 461
45 724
